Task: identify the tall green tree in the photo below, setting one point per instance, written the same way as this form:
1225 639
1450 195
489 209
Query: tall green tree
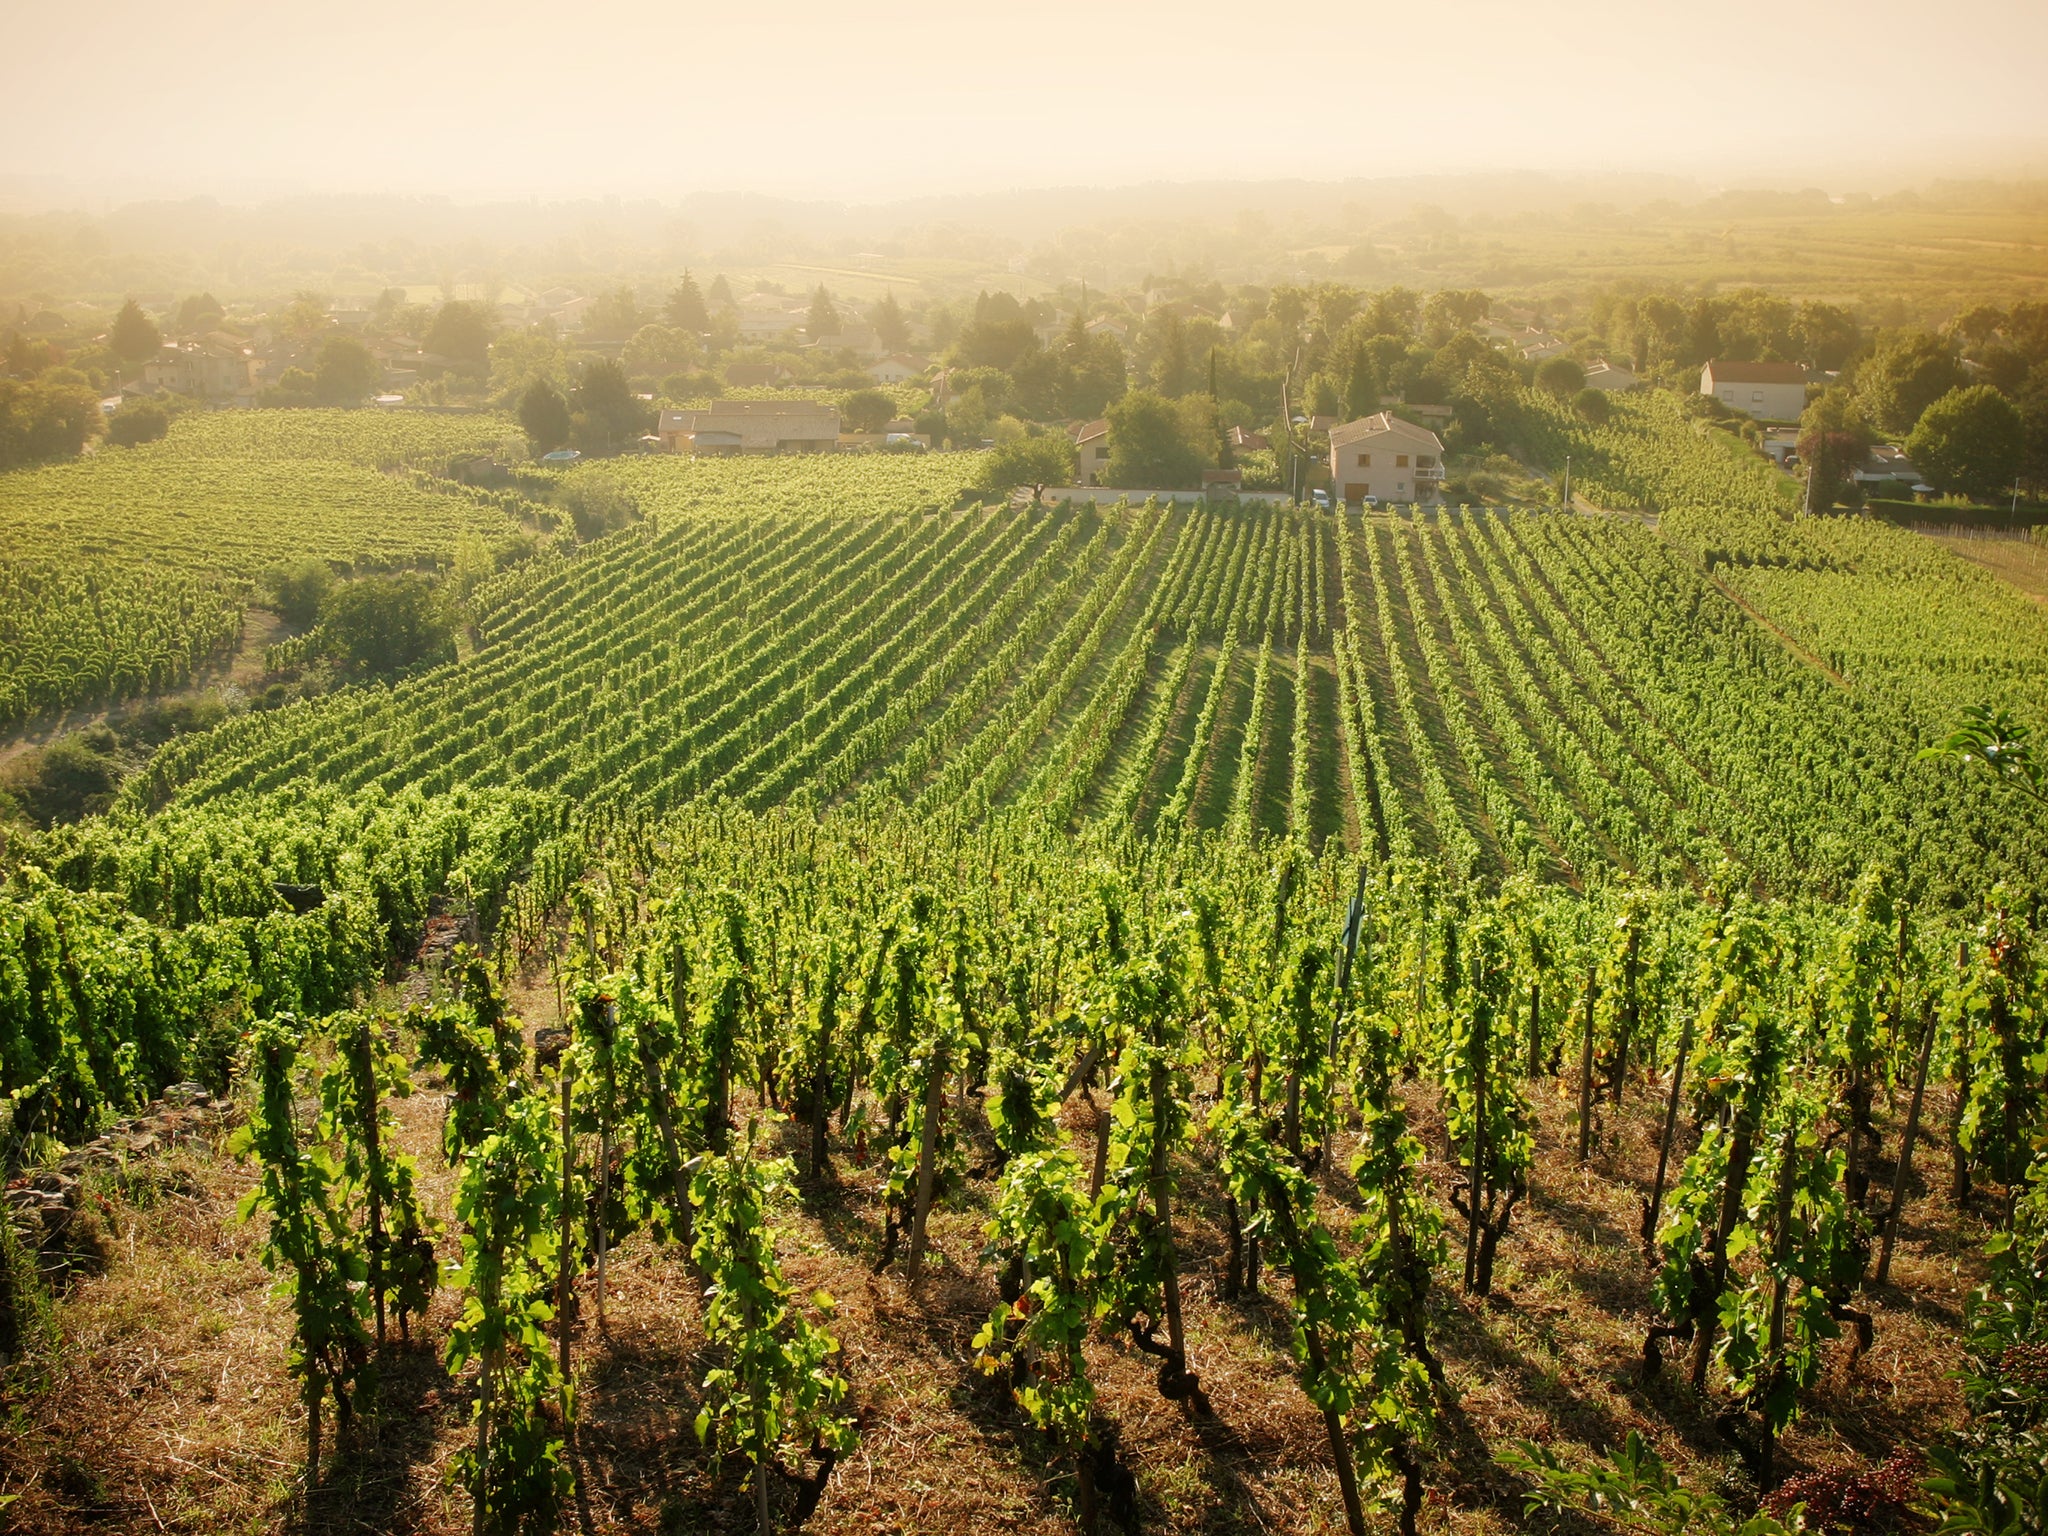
544 416
1833 437
1907 372
460 332
607 414
892 326
1154 445
685 309
345 372
1969 441
134 337
823 319
383 624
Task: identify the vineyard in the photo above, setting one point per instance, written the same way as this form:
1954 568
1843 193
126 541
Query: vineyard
1884 607
854 1008
123 571
1537 693
922 1175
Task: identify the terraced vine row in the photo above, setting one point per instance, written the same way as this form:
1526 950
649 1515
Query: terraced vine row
1564 695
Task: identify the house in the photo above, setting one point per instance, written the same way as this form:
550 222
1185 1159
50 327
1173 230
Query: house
1321 424
764 316
1536 346
1242 441
1386 459
1428 413
1766 391
1109 325
898 368
1605 376
205 371
751 426
856 338
1885 468
1091 441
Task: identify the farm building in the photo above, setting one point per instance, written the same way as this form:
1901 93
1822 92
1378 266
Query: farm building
751 426
1092 439
204 370
898 368
1766 391
1386 459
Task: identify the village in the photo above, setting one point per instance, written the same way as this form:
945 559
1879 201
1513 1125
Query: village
1182 388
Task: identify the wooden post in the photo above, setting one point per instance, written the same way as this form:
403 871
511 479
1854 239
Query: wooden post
1586 1067
365 1051
1670 1129
1905 1168
927 1162
568 1228
1478 1151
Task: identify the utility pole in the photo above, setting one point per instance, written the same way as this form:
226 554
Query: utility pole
1567 482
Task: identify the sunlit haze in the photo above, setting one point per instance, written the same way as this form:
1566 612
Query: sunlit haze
856 103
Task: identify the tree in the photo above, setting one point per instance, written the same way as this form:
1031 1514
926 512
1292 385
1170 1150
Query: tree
1151 444
1823 335
385 624
867 410
1362 387
607 413
76 775
1173 369
197 311
1033 461
660 349
305 316
1969 441
1908 371
1450 310
345 372
461 332
892 326
613 315
685 310
295 592
2033 408
139 421
1592 405
1833 437
519 358
50 419
823 319
544 416
1560 376
595 507
134 337
999 336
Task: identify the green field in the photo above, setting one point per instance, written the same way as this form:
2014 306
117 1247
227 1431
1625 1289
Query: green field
125 569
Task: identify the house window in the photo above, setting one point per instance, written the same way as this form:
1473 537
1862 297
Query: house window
1365 461
1400 461
1756 394
1424 461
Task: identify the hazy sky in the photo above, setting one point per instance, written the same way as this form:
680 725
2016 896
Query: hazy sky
869 102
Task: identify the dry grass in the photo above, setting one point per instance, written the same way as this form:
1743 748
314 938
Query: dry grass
169 1409
2015 558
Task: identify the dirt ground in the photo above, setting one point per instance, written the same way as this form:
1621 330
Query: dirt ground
167 1407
